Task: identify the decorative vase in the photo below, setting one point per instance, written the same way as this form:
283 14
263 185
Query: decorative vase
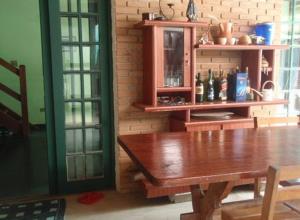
191 11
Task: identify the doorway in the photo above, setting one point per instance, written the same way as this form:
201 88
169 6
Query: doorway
77 45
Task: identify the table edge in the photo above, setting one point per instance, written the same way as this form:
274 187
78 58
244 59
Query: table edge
182 181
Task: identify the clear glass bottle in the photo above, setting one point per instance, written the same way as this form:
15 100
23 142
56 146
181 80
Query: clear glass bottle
223 87
210 87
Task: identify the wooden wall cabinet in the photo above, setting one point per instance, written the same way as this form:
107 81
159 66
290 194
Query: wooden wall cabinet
169 60
170 50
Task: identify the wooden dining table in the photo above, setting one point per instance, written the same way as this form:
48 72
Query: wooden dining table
217 158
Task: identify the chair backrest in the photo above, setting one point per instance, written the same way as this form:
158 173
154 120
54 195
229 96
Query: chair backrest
274 194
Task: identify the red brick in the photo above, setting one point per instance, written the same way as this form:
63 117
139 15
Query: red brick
137 3
127 10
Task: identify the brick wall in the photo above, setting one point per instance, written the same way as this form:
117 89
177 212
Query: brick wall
129 64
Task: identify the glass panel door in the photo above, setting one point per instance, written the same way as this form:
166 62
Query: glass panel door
83 137
290 64
81 47
173 57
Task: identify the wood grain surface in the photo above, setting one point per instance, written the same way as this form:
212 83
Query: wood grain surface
188 158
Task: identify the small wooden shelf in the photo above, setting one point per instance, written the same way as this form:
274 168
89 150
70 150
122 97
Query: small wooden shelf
232 119
240 47
174 89
146 23
207 105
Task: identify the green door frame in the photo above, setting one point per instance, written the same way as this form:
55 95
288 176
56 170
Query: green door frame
54 163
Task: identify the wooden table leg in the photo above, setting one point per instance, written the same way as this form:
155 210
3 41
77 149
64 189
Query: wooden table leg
227 190
213 198
197 197
204 205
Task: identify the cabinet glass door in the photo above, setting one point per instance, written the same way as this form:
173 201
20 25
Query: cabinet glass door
83 136
173 44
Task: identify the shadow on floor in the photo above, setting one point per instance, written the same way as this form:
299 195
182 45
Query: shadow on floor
23 165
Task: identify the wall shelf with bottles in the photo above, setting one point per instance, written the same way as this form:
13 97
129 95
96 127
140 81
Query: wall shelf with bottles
169 53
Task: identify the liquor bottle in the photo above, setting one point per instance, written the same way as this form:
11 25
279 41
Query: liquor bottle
247 75
210 87
217 85
223 87
230 85
249 93
199 89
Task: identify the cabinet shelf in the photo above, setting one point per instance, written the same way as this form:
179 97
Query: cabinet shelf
156 44
232 119
174 89
146 23
207 105
240 47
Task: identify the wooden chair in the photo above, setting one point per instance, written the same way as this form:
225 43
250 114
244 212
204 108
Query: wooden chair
268 122
269 210
259 122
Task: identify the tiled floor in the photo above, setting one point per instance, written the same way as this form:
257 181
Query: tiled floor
133 206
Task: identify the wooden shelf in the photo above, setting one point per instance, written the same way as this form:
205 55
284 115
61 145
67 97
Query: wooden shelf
174 89
146 23
232 119
240 47
207 105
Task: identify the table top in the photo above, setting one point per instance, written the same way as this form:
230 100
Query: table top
187 158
